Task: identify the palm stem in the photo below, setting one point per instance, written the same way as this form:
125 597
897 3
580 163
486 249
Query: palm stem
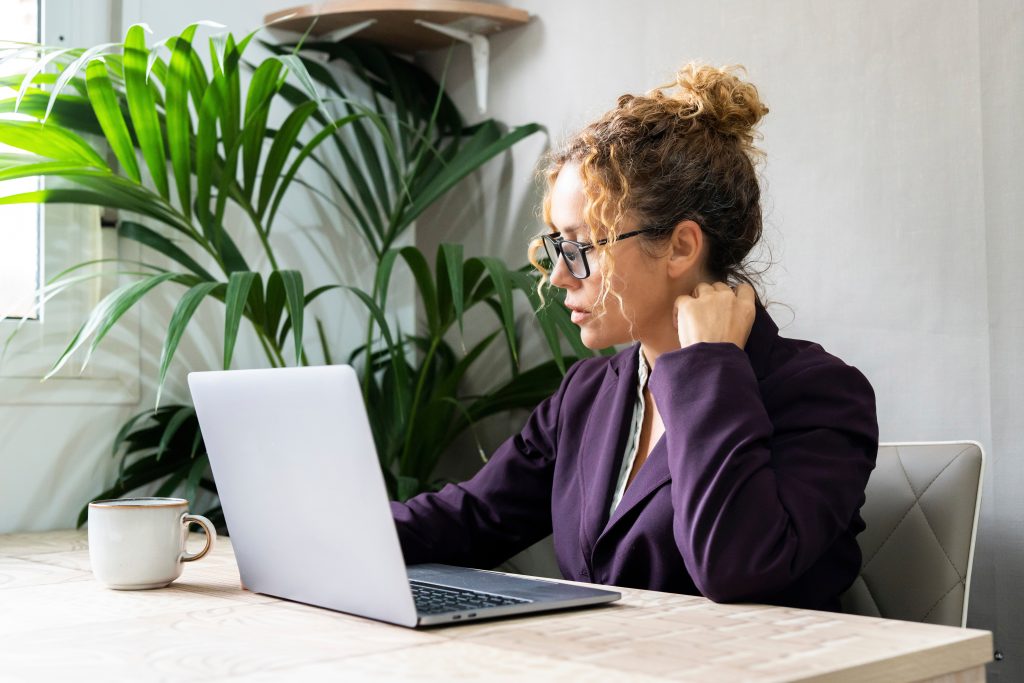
420 381
273 355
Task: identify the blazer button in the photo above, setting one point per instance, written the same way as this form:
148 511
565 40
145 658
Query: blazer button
584 573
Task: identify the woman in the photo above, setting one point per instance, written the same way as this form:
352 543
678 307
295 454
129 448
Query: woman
712 456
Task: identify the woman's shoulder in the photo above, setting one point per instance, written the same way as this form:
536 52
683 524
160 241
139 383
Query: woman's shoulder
802 372
792 357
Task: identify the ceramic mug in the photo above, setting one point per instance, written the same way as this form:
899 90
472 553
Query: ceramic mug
138 543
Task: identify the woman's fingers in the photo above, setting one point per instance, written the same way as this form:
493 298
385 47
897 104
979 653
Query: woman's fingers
702 288
715 312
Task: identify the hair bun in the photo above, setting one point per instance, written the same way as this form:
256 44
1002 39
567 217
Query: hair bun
715 98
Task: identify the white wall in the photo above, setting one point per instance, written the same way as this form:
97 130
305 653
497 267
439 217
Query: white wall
1002 101
892 198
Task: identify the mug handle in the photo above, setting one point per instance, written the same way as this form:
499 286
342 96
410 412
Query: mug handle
211 536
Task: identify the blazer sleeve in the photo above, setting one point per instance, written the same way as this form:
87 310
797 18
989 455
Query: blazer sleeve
503 509
758 498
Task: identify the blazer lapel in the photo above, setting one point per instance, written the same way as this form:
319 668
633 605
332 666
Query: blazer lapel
604 440
653 475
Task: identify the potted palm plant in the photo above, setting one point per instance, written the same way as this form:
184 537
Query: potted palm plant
176 141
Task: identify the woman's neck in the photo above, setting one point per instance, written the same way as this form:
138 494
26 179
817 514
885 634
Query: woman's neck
656 344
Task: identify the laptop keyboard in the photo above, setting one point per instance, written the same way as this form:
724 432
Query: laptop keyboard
433 599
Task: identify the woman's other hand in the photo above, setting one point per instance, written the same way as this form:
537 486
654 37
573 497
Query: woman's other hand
715 313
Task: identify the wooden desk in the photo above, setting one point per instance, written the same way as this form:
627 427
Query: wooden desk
56 621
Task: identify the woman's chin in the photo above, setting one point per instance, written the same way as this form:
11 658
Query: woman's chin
594 340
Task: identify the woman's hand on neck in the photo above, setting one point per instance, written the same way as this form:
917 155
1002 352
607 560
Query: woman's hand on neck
713 313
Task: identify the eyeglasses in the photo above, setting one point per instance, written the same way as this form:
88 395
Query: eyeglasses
575 253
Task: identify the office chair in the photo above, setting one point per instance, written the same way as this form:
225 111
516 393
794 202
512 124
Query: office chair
921 512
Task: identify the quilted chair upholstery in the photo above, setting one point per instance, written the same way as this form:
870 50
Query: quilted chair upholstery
922 516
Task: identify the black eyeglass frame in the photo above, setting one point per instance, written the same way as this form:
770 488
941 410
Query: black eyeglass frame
556 241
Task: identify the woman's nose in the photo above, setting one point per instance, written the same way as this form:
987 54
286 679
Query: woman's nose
561 277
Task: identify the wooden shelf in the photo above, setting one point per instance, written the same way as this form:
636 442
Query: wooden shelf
395 24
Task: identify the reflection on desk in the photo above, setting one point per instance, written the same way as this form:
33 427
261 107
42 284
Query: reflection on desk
57 621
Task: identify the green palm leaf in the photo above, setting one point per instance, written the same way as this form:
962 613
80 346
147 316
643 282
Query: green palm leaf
499 277
465 162
274 306
154 56
180 318
108 111
58 285
449 264
195 474
382 281
179 122
397 353
366 209
126 429
239 286
24 166
297 67
70 112
71 71
141 106
525 390
292 281
304 153
152 239
106 313
262 88
450 382
310 296
180 416
50 142
425 283
279 151
210 109
34 70
145 200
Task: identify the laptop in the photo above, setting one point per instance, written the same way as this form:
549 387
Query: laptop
304 498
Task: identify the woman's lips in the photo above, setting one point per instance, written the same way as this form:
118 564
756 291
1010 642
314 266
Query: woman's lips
578 315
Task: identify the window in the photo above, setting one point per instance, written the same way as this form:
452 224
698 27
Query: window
20 225
59 236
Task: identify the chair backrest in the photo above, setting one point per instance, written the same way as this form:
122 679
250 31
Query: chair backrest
921 513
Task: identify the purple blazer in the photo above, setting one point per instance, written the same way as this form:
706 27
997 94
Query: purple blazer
752 494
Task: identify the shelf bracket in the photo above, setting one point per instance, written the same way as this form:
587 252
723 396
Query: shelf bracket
481 56
346 31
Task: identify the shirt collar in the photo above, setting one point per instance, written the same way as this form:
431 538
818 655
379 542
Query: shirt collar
643 369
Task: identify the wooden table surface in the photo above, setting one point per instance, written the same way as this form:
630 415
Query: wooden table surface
57 621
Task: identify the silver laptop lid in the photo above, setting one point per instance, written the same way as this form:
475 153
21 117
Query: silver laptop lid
301 488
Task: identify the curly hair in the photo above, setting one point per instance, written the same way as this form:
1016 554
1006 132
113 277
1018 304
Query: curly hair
665 157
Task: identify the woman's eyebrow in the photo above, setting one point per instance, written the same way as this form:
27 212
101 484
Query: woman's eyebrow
569 228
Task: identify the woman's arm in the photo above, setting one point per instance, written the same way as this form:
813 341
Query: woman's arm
502 510
758 500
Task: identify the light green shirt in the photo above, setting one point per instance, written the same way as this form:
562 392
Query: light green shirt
633 441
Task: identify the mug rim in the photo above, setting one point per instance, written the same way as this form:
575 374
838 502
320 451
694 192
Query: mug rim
127 502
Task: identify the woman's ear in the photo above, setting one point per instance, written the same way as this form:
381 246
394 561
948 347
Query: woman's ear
685 249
